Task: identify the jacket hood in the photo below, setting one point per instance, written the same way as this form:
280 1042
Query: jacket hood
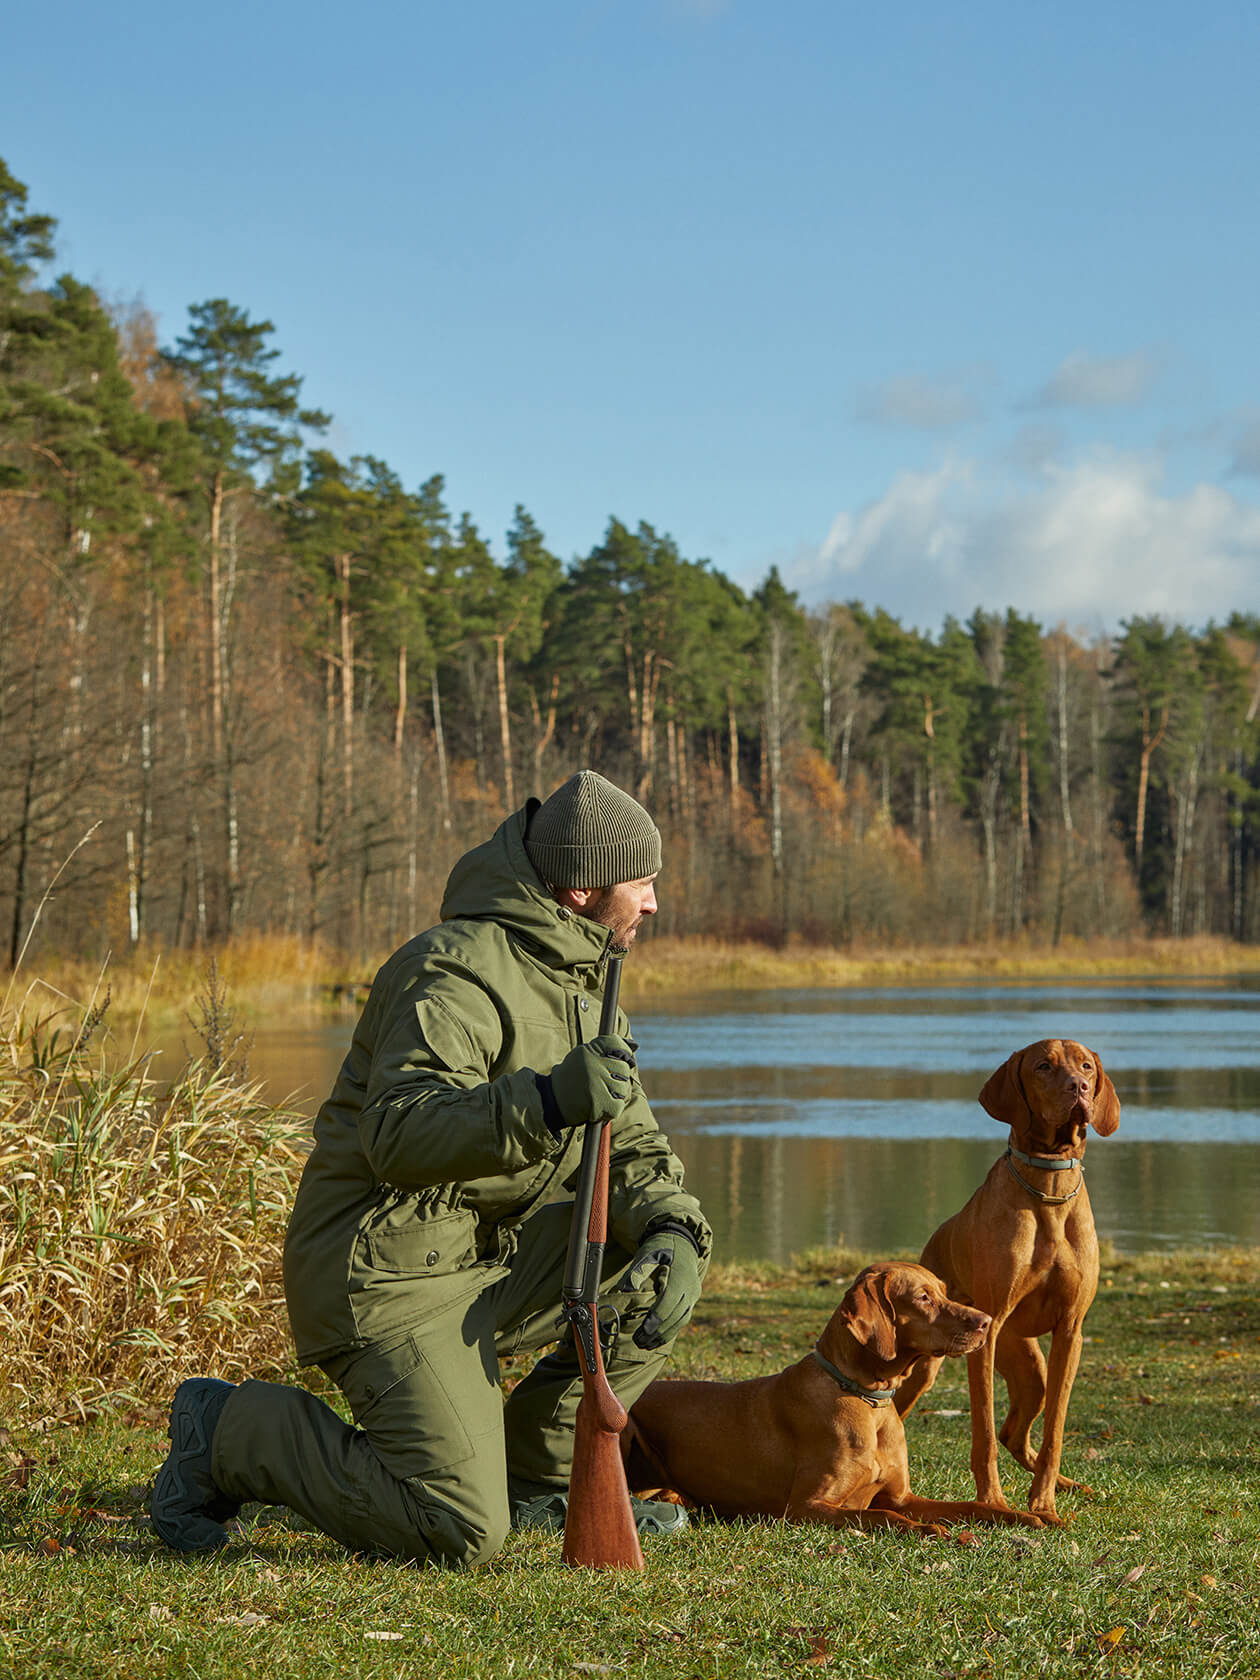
497 882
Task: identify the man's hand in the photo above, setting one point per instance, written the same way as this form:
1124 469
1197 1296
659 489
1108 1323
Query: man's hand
593 1081
669 1257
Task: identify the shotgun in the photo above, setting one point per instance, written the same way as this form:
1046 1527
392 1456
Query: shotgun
599 1531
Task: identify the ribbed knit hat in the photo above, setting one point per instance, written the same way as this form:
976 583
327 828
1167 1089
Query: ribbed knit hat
591 834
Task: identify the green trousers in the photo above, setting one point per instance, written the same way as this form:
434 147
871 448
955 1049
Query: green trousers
424 1474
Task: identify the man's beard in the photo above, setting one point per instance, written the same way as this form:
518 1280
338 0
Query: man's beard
599 910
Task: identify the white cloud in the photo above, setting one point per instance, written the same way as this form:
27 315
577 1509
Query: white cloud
1091 543
1084 381
910 400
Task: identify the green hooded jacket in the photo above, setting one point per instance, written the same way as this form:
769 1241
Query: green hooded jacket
432 1148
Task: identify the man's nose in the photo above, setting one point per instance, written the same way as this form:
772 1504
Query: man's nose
649 903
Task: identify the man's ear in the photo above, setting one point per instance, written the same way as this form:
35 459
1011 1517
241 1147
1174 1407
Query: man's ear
868 1313
1003 1094
1106 1112
576 899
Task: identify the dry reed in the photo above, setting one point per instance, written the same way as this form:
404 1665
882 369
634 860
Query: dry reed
140 1224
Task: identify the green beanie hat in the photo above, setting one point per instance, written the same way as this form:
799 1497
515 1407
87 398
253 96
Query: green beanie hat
591 834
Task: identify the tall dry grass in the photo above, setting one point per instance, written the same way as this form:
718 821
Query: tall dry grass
140 1224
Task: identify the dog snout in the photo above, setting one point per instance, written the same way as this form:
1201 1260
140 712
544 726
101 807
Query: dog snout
968 1329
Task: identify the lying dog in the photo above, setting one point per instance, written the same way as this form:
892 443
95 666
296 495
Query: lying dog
820 1442
1024 1250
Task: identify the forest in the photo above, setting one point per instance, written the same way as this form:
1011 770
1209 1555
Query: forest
246 685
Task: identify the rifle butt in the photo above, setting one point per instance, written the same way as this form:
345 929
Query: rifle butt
599 1531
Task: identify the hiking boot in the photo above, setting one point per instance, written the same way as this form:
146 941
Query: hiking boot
187 1507
535 1505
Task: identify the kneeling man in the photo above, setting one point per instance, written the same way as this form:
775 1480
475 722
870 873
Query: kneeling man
426 1240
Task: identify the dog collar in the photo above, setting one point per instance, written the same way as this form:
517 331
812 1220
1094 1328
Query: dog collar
872 1396
1046 1163
1055 1164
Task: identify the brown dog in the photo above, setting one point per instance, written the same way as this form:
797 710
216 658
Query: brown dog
820 1442
1024 1250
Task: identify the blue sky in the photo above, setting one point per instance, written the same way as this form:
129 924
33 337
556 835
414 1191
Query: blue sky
931 306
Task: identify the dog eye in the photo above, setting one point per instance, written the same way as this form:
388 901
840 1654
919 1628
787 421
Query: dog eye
1042 1064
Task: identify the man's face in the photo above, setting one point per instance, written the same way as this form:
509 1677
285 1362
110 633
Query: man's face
622 908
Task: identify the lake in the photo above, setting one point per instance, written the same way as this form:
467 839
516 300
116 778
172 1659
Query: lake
850 1115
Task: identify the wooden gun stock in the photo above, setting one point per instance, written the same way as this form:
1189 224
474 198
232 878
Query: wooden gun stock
599 1531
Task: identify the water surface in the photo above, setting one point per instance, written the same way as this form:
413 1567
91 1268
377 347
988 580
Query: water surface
821 1116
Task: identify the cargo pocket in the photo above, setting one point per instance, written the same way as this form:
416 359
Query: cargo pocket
404 1408
420 1246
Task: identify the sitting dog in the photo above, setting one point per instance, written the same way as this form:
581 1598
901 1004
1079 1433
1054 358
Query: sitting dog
822 1441
1024 1250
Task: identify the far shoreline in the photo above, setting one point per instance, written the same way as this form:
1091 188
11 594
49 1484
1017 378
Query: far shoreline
260 977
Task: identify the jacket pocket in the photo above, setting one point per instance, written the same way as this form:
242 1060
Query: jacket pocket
422 1245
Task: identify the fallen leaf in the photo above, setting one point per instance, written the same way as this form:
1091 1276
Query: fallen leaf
1208 1580
964 1537
381 1633
1135 1574
20 1474
50 1547
247 1618
161 1613
819 1651
1108 1641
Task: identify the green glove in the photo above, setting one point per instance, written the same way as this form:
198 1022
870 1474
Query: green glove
593 1081
667 1255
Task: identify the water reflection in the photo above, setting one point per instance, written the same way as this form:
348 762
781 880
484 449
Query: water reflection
812 1117
769 1197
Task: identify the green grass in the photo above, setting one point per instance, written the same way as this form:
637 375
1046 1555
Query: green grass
1158 1573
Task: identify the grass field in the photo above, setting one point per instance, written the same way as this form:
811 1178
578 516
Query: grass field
139 1242
1156 1573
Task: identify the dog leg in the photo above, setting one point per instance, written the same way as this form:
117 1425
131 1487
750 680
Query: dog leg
1065 1357
984 1465
965 1510
1023 1367
814 1510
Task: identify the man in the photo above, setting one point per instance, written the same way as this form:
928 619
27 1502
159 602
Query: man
426 1241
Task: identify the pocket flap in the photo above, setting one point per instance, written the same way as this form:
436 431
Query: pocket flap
424 1246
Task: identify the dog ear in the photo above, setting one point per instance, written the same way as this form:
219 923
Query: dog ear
1106 1114
1003 1095
869 1313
